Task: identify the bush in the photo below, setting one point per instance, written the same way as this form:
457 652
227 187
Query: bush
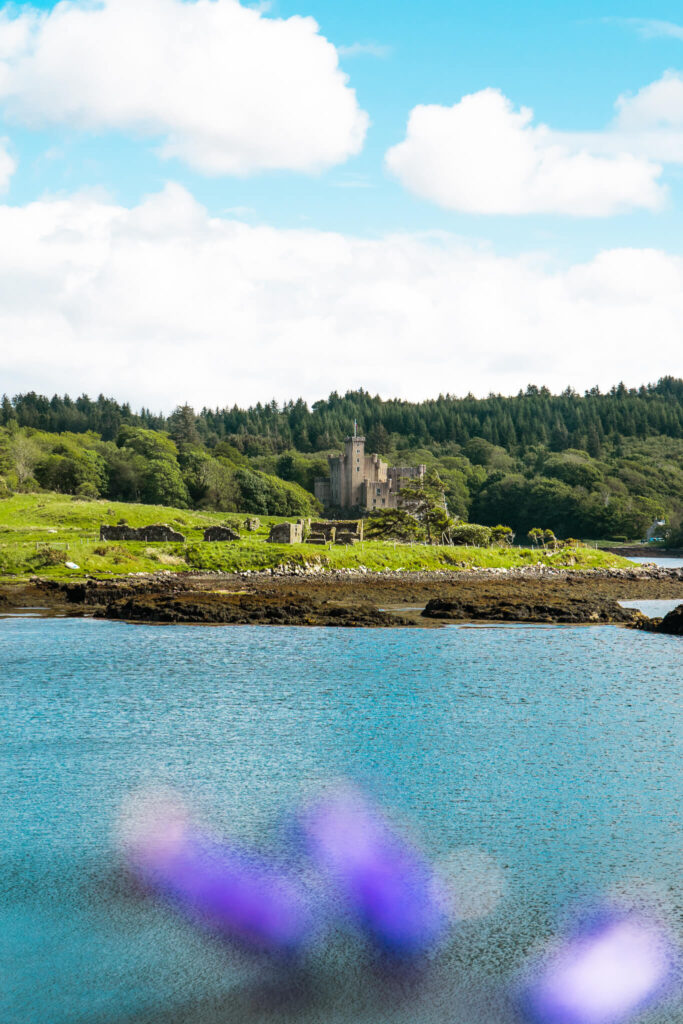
471 534
87 491
392 524
49 556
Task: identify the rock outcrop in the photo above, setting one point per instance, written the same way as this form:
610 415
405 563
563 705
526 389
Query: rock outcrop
243 609
549 608
671 624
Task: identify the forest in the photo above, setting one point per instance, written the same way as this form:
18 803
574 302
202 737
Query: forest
594 466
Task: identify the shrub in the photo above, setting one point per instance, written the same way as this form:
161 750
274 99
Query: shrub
48 556
471 534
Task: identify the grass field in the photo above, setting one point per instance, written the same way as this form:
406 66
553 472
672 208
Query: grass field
39 533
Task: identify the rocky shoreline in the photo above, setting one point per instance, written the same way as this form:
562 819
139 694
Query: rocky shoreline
671 624
354 597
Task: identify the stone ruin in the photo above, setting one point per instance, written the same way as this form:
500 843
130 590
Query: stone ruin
213 533
155 532
340 531
252 523
287 533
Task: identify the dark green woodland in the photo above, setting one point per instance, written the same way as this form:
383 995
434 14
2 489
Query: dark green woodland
597 465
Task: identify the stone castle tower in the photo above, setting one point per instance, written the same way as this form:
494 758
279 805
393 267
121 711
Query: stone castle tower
360 481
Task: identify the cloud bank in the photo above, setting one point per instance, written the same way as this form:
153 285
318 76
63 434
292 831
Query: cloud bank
162 303
222 87
483 156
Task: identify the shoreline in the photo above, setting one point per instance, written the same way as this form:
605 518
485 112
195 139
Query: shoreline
353 597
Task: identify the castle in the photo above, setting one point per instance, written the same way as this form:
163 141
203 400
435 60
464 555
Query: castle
360 481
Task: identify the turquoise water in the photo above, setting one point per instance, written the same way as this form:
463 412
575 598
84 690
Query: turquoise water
553 751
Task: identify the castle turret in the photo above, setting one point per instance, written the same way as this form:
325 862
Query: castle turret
354 470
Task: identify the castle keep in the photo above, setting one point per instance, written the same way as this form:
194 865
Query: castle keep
362 481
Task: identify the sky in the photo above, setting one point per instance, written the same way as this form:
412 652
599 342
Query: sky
220 203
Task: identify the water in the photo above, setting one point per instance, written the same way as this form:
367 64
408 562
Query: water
655 607
664 563
554 750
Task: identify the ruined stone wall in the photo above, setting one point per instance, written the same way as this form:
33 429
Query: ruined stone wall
224 533
286 533
156 532
351 530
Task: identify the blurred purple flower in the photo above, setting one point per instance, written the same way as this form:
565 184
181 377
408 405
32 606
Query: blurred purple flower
606 973
236 895
388 886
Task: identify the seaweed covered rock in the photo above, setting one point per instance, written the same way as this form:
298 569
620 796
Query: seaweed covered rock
221 608
671 624
513 608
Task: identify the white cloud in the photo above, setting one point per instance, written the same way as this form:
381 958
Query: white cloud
364 50
223 88
163 303
483 156
656 106
652 28
648 124
8 165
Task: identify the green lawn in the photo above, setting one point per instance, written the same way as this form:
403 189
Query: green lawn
40 532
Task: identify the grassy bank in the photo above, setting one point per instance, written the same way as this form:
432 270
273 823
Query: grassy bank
39 533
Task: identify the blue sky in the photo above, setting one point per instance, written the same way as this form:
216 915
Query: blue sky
569 62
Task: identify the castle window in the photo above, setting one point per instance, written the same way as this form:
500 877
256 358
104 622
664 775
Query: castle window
357 469
383 501
379 490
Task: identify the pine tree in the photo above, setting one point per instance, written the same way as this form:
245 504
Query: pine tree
183 426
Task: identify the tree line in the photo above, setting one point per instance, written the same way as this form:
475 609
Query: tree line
590 466
532 417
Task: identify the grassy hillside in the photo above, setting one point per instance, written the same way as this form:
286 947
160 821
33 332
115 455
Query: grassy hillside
40 532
